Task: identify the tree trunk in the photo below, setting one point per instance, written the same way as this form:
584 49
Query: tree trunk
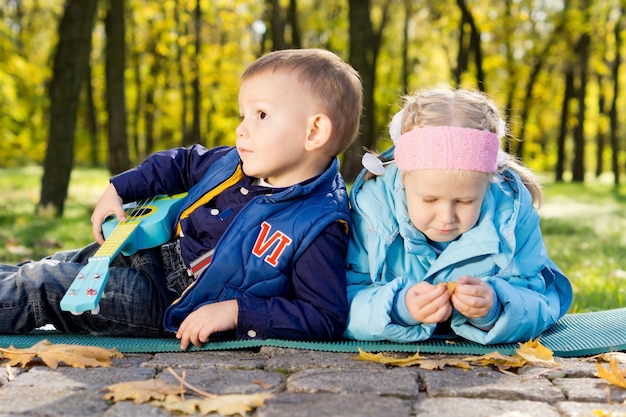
600 132
149 119
538 62
568 95
182 32
406 70
277 26
69 69
615 148
462 56
528 99
578 168
92 119
511 66
137 107
474 47
197 95
364 48
116 102
292 18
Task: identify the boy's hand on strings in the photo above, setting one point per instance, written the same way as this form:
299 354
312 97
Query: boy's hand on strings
206 320
429 303
472 297
109 203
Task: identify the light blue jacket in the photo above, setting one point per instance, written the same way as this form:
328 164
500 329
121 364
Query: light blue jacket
387 255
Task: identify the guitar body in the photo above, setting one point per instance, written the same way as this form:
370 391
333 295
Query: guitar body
149 223
156 222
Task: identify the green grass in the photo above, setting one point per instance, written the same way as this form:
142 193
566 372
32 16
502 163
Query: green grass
24 235
584 228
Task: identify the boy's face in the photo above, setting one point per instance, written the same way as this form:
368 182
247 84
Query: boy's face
275 119
442 204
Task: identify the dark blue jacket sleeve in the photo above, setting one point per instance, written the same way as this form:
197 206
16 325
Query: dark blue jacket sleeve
171 171
318 309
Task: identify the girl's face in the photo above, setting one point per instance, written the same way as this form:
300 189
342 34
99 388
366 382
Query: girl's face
444 204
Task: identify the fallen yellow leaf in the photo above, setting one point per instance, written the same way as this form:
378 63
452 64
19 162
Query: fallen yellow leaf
620 357
421 361
614 374
432 364
172 398
388 360
537 354
531 352
78 356
225 405
141 391
497 359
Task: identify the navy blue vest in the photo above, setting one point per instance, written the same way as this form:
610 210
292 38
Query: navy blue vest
258 249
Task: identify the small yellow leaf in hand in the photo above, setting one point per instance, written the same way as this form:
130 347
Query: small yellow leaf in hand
141 391
451 286
614 375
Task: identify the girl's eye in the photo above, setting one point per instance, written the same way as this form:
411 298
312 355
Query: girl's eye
429 200
465 202
262 115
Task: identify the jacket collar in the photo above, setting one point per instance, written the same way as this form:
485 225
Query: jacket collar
329 180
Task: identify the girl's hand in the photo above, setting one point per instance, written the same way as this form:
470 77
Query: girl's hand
109 203
429 303
206 320
472 297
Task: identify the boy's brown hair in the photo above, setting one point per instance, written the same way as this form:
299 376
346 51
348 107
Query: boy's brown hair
327 77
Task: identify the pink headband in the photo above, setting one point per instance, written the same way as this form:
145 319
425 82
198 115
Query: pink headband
447 147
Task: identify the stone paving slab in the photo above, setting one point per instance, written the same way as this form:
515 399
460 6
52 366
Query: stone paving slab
472 407
319 384
350 405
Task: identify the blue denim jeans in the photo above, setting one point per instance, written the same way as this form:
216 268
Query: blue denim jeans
133 303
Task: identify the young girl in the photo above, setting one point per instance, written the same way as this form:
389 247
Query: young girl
446 237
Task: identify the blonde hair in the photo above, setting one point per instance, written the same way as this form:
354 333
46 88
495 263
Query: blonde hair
464 108
335 85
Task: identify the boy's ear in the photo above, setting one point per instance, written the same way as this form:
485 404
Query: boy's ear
319 131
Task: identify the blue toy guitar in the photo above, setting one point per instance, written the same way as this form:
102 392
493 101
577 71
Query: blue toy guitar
148 223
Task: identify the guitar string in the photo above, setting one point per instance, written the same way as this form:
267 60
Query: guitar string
141 204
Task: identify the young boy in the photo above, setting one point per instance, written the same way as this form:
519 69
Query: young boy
261 238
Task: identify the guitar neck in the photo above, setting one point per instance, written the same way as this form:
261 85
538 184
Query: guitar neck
152 220
113 244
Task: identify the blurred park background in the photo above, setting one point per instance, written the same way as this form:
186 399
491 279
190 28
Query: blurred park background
88 88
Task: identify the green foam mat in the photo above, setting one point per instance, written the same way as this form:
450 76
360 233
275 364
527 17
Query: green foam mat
582 334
